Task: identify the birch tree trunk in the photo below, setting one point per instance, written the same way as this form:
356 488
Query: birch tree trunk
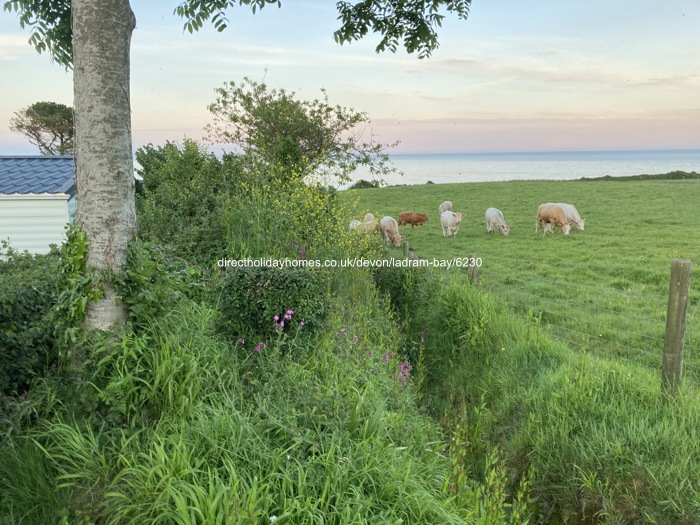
104 166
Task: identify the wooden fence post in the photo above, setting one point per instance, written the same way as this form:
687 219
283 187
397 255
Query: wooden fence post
405 249
679 288
471 272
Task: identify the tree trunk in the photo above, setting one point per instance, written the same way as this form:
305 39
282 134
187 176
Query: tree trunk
104 166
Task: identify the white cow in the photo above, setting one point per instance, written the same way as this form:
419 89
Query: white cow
368 217
450 221
390 231
354 224
572 214
494 219
447 205
368 226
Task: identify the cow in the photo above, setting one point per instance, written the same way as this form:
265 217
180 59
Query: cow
412 218
552 214
370 226
450 221
572 215
494 219
354 224
447 205
390 231
368 217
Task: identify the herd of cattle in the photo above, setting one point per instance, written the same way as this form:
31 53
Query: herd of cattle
549 215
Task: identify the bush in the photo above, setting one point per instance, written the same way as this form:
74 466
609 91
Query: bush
155 280
179 203
28 291
252 296
364 184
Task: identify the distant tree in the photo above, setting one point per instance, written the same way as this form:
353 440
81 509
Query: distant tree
301 136
94 37
364 184
48 125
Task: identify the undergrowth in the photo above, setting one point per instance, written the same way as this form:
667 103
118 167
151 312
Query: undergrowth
169 423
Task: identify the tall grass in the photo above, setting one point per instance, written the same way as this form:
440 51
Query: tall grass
189 430
603 445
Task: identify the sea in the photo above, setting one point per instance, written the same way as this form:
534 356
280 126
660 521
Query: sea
441 168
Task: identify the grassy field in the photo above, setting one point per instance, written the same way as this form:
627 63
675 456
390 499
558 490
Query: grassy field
604 289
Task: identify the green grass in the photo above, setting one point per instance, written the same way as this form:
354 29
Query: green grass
603 445
177 426
604 289
171 424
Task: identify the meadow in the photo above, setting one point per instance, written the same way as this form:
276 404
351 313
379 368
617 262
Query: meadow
603 289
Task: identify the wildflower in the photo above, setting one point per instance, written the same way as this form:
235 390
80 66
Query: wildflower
301 323
242 341
404 371
371 353
260 346
282 324
276 318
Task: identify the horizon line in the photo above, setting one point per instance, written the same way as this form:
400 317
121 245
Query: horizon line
531 152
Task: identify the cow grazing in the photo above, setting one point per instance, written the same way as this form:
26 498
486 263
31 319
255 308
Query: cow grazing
412 218
553 215
370 226
450 221
354 224
390 231
368 217
572 215
494 219
447 205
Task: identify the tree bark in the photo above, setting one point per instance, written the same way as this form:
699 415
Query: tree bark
104 164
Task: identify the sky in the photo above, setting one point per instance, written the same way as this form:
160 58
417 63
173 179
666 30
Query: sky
518 75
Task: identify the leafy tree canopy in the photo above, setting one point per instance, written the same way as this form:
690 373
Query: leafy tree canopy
50 24
301 137
48 125
413 22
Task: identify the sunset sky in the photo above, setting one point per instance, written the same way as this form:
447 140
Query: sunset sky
518 75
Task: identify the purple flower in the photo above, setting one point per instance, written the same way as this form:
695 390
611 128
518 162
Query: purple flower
242 341
301 323
282 324
276 318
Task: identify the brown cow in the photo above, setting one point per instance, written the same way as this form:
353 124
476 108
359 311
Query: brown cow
412 218
554 216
